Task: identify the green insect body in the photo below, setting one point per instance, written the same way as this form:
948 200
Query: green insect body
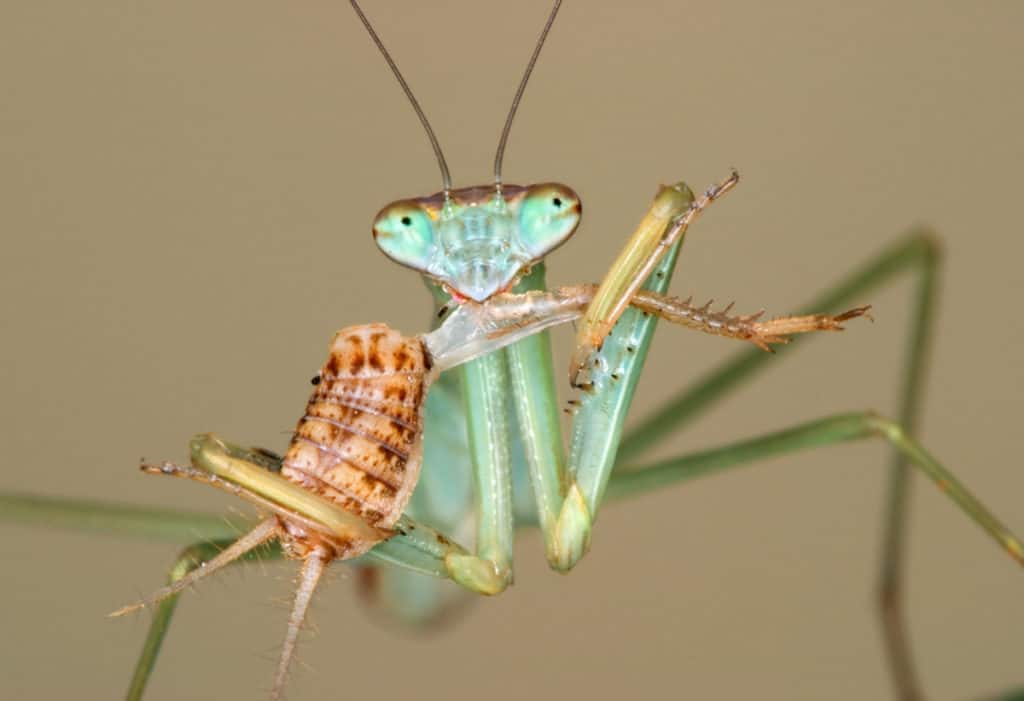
529 422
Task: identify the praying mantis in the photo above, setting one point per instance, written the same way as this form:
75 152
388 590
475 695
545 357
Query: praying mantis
153 445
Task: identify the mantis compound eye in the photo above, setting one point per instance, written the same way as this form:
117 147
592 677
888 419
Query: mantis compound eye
405 233
548 216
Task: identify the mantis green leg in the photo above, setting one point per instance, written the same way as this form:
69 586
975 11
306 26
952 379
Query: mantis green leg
485 389
600 415
567 496
919 254
834 429
486 385
539 420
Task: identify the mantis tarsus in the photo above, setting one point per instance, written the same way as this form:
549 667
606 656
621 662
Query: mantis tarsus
154 449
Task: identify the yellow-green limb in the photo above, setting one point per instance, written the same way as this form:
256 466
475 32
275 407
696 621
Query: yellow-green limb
629 270
111 518
539 420
662 227
835 429
485 389
918 254
601 410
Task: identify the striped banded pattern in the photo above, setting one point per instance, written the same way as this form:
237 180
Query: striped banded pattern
359 442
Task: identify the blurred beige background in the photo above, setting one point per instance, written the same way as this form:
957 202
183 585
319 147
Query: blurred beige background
187 189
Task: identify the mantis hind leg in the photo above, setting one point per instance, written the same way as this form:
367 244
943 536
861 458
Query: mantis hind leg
834 429
840 428
918 254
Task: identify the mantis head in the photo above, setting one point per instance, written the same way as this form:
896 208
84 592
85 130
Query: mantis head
478 241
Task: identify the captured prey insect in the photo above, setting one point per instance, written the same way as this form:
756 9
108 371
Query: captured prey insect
346 483
353 463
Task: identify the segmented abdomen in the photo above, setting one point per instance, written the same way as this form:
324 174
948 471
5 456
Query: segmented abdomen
358 443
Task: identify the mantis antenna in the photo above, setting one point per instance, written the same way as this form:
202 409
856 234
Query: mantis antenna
500 154
446 177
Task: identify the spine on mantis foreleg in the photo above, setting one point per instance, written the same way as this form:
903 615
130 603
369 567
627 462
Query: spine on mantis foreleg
663 226
601 410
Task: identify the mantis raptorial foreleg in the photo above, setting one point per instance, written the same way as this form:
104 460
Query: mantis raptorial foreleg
663 226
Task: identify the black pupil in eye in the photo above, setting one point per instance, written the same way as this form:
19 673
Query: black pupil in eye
557 201
406 221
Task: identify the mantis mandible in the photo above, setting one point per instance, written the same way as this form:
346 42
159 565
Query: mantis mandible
318 343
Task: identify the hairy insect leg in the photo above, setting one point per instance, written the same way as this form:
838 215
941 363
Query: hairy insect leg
834 429
266 530
416 547
665 223
745 327
190 560
312 569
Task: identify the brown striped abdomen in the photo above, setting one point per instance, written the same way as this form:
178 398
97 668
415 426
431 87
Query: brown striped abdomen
359 442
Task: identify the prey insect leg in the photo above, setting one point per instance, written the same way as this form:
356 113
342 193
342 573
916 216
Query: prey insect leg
673 210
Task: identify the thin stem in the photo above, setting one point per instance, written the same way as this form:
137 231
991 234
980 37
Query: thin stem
312 569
